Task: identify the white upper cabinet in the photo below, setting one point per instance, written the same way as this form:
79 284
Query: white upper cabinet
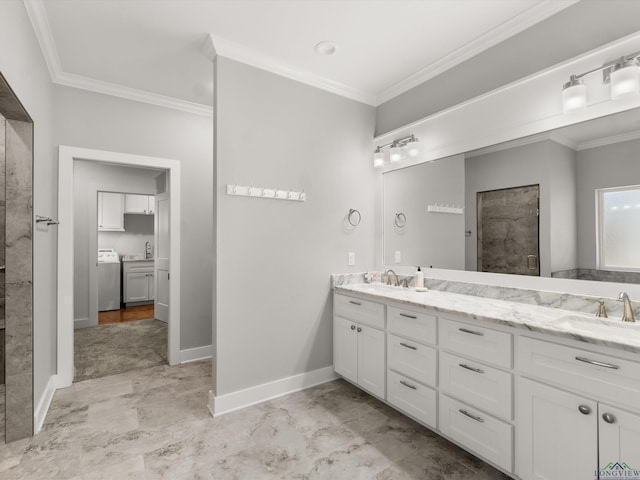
140 204
110 210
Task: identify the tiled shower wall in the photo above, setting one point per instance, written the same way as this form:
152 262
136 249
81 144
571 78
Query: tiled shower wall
18 279
2 259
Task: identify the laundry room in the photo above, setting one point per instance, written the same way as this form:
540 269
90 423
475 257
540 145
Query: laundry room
114 223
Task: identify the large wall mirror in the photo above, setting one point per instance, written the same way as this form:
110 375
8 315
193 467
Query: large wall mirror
529 206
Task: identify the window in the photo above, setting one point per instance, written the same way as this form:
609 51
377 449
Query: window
619 228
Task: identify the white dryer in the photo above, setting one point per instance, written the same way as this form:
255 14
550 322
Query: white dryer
108 279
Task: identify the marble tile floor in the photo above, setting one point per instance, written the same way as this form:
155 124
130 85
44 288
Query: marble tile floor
154 424
110 349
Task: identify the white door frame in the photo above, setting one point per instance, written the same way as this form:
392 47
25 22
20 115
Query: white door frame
66 156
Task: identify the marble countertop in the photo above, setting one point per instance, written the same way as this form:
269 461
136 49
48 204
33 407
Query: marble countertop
126 258
610 332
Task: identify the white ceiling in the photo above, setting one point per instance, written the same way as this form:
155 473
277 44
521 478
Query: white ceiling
155 50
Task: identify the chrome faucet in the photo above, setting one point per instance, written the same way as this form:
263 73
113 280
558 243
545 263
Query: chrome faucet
395 283
395 276
627 315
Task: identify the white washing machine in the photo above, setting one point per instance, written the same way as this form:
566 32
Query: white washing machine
108 279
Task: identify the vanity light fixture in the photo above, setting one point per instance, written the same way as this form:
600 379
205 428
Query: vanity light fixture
399 150
623 74
625 78
574 95
395 153
378 158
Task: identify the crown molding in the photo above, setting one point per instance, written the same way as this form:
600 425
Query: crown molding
602 142
240 53
106 88
520 142
42 29
508 29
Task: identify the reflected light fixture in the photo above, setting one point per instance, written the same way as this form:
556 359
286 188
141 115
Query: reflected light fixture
395 153
399 150
623 74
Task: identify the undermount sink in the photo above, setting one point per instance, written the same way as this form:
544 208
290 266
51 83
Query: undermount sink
585 324
378 287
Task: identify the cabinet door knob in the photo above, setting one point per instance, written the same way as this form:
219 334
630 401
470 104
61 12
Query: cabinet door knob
353 327
359 329
584 409
609 418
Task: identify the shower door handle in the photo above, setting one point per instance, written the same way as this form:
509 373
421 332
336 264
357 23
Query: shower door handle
532 262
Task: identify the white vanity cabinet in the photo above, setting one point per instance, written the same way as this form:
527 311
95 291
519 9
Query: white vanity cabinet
359 342
110 212
568 426
534 405
475 396
412 363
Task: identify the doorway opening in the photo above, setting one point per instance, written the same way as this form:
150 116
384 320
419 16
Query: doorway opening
119 242
165 247
508 230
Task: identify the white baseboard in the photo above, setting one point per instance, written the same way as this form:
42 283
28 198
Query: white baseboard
43 405
83 323
261 393
195 354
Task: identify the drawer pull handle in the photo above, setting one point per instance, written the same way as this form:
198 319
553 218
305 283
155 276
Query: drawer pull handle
584 409
477 370
410 347
353 327
354 303
408 385
408 316
597 363
609 418
472 332
474 417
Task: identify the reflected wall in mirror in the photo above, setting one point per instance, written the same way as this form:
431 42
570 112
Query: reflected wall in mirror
568 164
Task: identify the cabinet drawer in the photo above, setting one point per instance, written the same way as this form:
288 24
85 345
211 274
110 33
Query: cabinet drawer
145 266
419 326
476 342
412 398
412 359
609 378
359 310
483 387
483 434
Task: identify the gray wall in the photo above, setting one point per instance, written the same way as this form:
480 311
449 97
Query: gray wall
546 163
138 230
274 258
563 215
89 177
575 30
91 120
22 65
602 167
428 239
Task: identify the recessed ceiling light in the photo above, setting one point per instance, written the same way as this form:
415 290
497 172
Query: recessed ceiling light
326 48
